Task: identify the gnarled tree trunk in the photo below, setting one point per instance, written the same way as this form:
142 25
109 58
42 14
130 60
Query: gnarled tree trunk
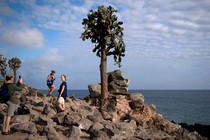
104 84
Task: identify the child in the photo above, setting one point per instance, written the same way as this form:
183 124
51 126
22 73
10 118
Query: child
61 104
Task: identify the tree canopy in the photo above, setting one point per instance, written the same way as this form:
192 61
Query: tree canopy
3 65
106 32
14 64
104 29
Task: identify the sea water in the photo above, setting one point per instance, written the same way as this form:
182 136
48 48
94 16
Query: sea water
186 106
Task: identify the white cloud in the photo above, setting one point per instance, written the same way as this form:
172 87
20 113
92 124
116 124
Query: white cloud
185 23
4 9
23 37
153 29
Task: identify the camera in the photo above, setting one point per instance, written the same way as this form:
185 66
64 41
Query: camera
19 76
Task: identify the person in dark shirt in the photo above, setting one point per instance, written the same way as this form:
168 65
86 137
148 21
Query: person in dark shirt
13 102
63 87
62 94
50 80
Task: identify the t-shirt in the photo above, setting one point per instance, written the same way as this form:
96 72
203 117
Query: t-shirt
64 94
11 90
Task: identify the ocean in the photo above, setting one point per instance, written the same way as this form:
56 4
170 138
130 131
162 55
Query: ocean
181 106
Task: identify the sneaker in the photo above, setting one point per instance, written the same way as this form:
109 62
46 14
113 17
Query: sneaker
7 133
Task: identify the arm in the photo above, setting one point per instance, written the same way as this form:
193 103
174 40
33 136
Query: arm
19 85
49 77
62 89
13 87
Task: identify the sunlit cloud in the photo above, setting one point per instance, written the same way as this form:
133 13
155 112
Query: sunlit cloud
153 31
24 38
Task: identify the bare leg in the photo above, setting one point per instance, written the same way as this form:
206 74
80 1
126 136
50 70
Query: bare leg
6 124
51 89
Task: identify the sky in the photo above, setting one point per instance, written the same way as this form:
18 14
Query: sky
167 42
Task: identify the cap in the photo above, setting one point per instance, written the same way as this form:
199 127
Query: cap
9 76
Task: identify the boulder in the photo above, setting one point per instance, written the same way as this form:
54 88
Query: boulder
27 127
123 116
73 133
94 90
137 100
117 84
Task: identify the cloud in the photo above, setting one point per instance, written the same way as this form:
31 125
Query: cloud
23 37
4 9
154 30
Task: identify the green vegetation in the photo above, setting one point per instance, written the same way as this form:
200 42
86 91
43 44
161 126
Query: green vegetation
3 65
14 64
105 31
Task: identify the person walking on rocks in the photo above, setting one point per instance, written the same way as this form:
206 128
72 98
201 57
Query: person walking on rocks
62 93
12 103
63 87
50 80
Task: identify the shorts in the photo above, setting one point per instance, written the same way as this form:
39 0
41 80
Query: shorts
49 85
11 108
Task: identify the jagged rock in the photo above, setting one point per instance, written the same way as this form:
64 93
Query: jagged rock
96 127
125 131
152 106
20 119
85 124
49 110
32 92
124 117
96 133
45 121
59 117
28 127
109 106
117 89
39 104
117 84
73 133
116 74
72 119
95 90
137 100
109 125
95 117
141 133
50 133
202 129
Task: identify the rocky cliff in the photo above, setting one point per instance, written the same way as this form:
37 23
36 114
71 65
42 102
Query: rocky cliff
124 116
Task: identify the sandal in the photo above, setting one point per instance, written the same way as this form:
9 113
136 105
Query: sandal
7 133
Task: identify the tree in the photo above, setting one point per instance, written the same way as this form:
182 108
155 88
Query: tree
104 29
14 64
3 65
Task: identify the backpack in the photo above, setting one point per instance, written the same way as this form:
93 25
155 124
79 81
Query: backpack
4 95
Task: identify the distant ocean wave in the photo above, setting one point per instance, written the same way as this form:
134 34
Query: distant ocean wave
187 106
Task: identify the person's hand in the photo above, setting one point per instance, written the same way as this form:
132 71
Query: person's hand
20 81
